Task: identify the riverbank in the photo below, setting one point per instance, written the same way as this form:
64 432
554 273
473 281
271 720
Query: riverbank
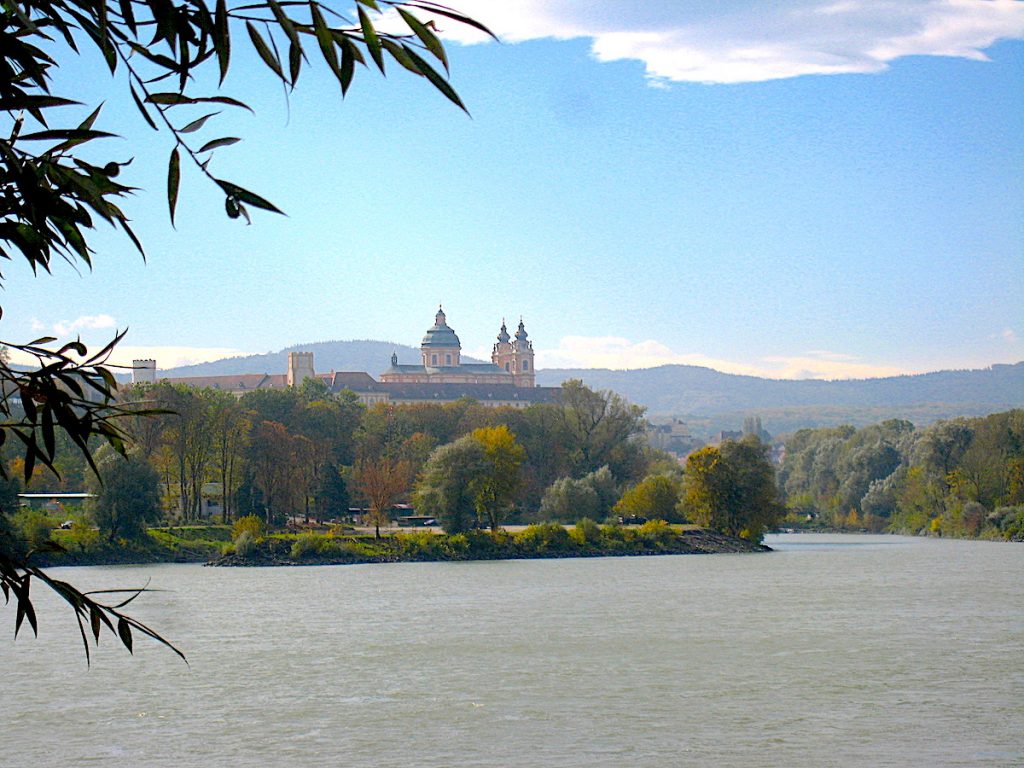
212 545
534 542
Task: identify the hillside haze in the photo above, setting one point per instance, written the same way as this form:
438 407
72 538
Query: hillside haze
712 399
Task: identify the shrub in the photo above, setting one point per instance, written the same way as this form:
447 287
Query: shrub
586 533
418 544
82 536
245 544
35 527
543 537
251 523
305 545
656 532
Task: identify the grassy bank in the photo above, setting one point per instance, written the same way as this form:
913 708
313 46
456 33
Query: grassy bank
178 544
536 541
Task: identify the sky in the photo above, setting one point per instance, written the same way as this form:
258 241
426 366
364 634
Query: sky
800 189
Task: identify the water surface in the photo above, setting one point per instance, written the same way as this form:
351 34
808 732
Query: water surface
832 651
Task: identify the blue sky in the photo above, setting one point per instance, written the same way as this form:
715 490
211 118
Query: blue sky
806 189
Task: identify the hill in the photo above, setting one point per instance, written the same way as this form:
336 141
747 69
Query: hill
373 357
707 399
674 389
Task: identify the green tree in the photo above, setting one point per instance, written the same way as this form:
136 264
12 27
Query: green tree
592 495
602 429
127 497
654 497
732 489
332 494
446 486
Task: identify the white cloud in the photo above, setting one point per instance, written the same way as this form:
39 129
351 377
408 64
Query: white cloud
620 354
83 323
165 356
744 41
1009 336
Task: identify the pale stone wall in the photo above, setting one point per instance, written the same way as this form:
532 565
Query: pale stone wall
300 367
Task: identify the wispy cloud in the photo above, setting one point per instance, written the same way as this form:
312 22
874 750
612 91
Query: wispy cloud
1009 336
83 323
745 41
621 354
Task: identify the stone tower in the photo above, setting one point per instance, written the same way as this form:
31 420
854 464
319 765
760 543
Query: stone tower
143 371
300 367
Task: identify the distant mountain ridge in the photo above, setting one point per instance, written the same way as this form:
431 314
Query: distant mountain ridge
714 399
368 355
702 391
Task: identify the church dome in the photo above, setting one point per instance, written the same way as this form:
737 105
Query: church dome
521 331
503 334
440 335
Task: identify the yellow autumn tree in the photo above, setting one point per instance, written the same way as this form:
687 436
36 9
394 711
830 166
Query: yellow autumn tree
495 488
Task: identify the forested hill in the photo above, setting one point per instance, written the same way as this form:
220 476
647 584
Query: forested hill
687 389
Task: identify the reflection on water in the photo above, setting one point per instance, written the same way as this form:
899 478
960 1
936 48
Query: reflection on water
832 651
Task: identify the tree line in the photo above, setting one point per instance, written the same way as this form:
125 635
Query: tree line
307 453
961 477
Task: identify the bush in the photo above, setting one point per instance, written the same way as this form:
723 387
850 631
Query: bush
1009 521
306 545
418 545
656 532
543 537
616 538
82 536
245 544
586 533
249 523
35 527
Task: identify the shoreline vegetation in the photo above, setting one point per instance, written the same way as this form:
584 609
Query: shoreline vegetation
213 545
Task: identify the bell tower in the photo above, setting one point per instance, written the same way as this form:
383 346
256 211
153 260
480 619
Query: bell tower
501 355
522 358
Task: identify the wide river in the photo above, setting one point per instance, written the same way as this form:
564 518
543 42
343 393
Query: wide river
831 651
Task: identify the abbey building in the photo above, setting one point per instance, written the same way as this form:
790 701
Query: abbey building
441 351
442 376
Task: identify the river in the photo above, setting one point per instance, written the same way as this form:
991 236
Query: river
831 651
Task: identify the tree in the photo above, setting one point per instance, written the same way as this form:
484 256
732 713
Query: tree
272 458
380 482
230 430
568 499
732 489
495 487
331 494
445 489
654 497
127 497
601 427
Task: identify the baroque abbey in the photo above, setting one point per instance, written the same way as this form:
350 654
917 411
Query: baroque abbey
441 350
508 380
